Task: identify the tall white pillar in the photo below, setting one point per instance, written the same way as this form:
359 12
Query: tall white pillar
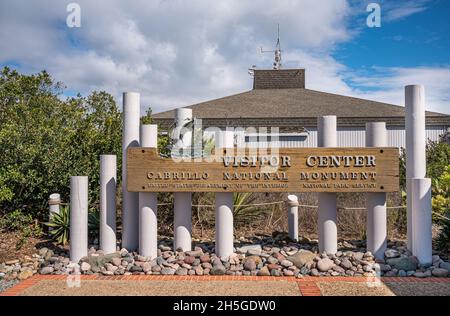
108 181
376 136
415 145
54 201
148 225
421 216
130 201
224 206
327 137
182 200
293 216
78 217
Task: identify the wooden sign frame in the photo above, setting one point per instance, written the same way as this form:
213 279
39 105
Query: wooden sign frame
365 169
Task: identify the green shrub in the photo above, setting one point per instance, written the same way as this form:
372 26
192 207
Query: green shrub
44 140
443 240
94 223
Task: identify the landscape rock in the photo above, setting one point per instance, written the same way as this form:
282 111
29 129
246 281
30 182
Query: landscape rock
439 272
403 263
391 253
264 271
301 258
325 264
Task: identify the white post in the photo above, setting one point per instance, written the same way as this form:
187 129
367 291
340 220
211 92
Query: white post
108 181
78 217
182 221
293 216
130 202
327 137
224 205
182 200
415 146
148 203
53 204
376 136
421 216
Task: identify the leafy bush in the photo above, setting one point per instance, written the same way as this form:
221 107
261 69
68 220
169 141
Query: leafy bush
443 240
441 194
44 140
94 223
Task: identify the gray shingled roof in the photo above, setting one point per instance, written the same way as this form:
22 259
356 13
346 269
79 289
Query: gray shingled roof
289 103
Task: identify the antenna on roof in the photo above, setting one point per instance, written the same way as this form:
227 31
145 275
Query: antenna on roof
277 58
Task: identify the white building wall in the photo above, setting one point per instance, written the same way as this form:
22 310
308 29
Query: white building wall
348 137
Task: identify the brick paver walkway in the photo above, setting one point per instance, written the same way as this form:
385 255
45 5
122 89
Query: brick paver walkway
227 285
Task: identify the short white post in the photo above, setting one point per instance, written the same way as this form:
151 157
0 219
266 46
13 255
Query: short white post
327 211
376 136
148 203
108 181
224 205
54 202
293 216
182 200
415 146
130 201
78 217
421 216
182 221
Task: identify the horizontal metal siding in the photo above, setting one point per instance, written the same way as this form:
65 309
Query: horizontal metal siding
347 137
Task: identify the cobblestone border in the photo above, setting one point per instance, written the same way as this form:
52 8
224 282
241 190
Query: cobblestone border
307 285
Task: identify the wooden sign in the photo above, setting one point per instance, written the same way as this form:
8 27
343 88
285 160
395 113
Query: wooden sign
287 170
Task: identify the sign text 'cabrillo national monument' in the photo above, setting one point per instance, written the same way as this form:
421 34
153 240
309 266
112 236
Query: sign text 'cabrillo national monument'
290 170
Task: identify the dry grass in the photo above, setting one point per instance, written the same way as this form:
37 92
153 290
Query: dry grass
351 223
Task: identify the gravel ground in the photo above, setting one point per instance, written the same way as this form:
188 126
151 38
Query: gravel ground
4 285
384 289
419 289
353 289
163 288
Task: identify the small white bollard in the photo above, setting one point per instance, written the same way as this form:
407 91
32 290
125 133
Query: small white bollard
293 216
376 136
130 201
327 210
78 218
421 219
108 181
224 205
182 221
182 200
415 146
148 203
54 202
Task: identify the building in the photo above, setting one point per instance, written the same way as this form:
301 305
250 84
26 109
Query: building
280 99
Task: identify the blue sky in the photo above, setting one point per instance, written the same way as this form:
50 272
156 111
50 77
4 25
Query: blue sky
176 52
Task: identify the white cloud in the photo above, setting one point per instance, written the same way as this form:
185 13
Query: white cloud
180 52
387 85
